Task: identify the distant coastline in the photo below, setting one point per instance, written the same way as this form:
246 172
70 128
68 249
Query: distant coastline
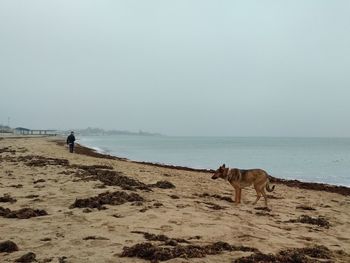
101 132
83 132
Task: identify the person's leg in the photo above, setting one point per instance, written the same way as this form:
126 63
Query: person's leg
71 147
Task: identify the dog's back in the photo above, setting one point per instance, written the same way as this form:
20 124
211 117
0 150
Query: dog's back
245 178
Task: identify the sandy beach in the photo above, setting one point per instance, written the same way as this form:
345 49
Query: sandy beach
88 207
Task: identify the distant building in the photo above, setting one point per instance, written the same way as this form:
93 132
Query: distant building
21 130
5 129
25 131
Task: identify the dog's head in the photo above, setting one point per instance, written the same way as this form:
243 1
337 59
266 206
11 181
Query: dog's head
219 173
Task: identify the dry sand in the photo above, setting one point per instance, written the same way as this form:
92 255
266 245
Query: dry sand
41 174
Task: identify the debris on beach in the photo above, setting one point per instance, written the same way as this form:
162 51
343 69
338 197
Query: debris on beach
62 259
216 196
305 207
95 238
39 181
118 216
9 172
7 199
23 213
164 238
106 175
262 213
37 160
66 172
109 177
8 246
263 208
31 196
158 204
143 210
113 178
274 196
17 185
305 219
156 253
212 205
163 185
343 190
22 150
27 258
92 167
41 161
300 255
107 198
7 150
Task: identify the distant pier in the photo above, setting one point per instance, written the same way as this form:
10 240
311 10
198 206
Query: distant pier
25 131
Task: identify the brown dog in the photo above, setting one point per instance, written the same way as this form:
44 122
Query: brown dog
242 178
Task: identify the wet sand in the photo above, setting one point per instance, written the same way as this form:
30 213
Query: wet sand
88 207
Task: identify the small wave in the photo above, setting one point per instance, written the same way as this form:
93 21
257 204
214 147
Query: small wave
98 150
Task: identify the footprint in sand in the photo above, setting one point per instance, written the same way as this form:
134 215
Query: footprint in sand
193 225
111 228
175 222
166 228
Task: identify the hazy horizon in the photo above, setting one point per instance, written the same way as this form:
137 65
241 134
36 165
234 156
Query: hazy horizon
209 68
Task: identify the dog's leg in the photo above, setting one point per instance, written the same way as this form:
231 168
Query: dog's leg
264 195
236 195
258 194
257 198
239 195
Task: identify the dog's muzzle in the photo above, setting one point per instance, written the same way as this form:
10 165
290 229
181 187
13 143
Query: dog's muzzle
214 177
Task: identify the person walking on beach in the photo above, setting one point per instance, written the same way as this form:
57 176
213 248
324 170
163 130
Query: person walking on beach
70 141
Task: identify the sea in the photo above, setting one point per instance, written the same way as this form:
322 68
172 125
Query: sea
323 160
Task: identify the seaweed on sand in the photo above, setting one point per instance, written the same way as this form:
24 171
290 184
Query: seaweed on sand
110 177
41 161
156 253
23 213
7 199
7 150
106 175
163 238
163 185
8 246
224 198
305 207
305 219
27 258
114 198
294 255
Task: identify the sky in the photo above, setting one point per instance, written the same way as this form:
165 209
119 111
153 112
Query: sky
184 67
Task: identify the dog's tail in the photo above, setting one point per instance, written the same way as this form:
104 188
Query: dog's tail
268 186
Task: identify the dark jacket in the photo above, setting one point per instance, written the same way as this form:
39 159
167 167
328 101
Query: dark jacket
70 139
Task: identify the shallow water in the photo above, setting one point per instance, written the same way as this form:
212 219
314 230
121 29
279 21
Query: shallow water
324 160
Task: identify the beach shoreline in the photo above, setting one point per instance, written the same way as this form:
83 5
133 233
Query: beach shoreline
185 206
340 189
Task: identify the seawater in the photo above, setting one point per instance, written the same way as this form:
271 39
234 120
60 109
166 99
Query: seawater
325 160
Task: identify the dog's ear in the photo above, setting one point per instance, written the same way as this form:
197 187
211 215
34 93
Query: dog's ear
223 166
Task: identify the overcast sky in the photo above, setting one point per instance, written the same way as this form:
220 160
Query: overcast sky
236 68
